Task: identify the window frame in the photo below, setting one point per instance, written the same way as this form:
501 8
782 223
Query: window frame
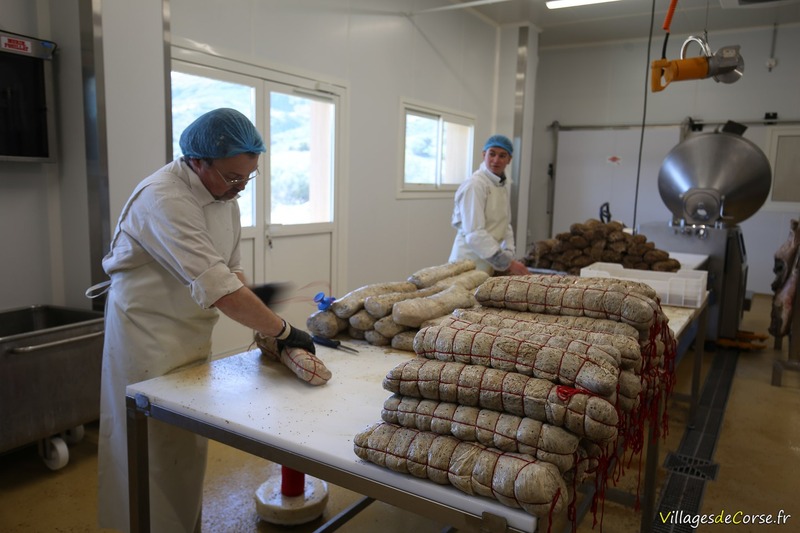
774 135
255 189
437 190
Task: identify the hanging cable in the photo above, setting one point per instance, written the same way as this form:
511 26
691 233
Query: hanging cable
667 23
644 107
668 19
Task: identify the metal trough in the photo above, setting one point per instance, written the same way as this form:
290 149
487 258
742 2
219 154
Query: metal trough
50 360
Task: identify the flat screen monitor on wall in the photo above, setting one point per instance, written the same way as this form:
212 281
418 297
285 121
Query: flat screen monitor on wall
26 98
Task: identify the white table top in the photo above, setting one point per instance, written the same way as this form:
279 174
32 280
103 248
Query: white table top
679 317
261 399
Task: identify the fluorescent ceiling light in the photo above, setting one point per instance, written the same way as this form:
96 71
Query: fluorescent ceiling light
558 4
463 5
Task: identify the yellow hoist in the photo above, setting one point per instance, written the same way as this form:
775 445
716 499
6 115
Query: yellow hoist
726 65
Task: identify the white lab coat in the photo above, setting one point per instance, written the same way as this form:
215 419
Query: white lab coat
482 219
174 253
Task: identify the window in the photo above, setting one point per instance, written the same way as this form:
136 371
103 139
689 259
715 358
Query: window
298 168
437 150
193 95
301 159
784 156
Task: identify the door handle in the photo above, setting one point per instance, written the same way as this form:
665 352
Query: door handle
267 235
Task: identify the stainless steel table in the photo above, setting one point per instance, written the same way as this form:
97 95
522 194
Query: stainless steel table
260 407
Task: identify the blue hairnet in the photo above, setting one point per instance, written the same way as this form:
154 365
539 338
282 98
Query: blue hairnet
221 133
499 141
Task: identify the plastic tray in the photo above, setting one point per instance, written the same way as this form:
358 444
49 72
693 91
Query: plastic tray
684 288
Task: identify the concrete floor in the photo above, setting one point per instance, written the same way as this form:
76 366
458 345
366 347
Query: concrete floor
758 448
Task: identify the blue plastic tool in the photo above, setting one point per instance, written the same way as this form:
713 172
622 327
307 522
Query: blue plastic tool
322 301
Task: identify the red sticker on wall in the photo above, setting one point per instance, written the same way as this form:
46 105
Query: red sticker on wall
17 45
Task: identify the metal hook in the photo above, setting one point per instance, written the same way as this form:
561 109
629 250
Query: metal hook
699 40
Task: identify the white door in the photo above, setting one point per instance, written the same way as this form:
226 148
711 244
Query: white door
299 215
288 227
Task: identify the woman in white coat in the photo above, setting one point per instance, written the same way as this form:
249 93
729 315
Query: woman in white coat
482 214
174 263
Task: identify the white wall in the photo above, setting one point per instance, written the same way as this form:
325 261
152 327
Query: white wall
454 59
44 215
134 64
69 237
380 53
25 221
446 59
604 84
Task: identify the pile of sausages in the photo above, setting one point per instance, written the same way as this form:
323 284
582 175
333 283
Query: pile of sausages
525 394
594 241
391 313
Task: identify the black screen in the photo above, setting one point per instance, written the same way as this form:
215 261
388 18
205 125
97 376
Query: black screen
23 108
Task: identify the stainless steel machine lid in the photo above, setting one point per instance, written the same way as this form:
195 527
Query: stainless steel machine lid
711 178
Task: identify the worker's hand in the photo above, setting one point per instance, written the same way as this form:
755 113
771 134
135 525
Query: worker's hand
295 338
518 269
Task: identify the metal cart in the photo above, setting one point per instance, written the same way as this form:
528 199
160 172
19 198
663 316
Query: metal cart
50 360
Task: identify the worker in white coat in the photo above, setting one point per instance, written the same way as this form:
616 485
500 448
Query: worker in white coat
174 263
482 214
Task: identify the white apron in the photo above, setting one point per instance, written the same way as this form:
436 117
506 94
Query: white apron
138 346
153 327
497 220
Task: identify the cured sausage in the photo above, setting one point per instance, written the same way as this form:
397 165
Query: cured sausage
516 480
430 275
630 356
305 365
509 433
545 294
325 324
414 312
380 305
350 303
581 412
540 356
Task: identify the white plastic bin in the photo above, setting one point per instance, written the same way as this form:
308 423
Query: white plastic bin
684 288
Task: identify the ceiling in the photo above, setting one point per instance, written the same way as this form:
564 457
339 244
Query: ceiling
631 19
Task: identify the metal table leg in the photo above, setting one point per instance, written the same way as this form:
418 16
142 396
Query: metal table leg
651 463
138 465
699 350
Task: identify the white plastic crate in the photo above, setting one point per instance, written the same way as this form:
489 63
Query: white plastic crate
684 288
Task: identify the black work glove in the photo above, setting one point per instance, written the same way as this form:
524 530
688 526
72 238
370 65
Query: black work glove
295 338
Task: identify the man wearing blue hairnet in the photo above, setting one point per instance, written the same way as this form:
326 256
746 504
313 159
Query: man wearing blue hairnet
482 214
174 264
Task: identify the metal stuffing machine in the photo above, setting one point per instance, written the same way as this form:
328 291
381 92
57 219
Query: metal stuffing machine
711 182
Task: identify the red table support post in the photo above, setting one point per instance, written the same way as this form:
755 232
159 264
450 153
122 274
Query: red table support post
291 498
292 482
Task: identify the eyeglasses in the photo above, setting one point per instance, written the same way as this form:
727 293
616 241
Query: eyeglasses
237 180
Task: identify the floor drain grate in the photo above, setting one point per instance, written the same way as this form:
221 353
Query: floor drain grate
691 466
688 472
682 493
